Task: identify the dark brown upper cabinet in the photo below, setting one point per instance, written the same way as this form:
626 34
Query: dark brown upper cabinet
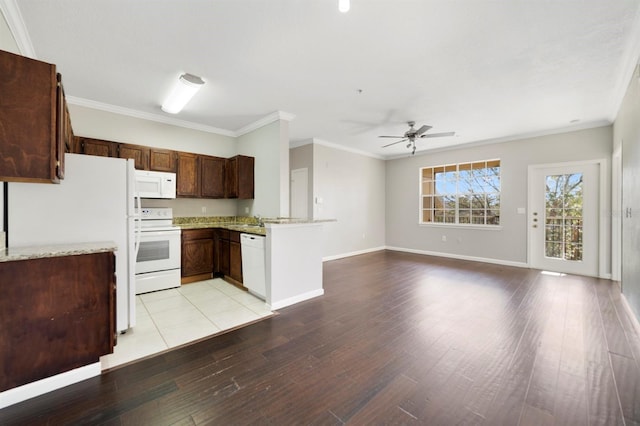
188 182
32 121
97 147
162 160
239 177
140 154
212 177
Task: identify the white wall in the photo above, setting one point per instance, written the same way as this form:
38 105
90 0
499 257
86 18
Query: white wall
352 188
99 124
269 145
626 133
510 243
7 42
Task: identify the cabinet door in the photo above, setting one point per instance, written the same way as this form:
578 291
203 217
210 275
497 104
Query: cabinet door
139 153
235 261
57 314
245 177
211 177
239 177
162 160
187 175
27 120
231 178
223 257
97 147
197 257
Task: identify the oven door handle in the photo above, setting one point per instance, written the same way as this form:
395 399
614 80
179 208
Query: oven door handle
146 234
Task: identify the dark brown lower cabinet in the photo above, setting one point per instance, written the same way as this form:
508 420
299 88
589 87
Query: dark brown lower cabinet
235 256
197 255
56 314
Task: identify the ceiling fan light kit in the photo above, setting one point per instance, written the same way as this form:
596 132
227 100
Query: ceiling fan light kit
183 90
411 135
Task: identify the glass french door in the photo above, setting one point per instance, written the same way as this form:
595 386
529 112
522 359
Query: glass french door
563 218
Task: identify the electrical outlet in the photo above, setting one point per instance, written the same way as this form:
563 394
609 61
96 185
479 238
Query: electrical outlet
246 210
444 238
204 210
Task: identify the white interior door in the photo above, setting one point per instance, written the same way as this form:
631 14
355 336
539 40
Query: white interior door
299 193
563 218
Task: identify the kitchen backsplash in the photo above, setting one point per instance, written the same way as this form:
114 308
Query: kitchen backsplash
196 207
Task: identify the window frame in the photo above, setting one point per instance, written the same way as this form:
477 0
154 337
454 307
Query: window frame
455 167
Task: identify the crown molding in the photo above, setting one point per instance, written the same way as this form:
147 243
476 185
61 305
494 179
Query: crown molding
344 148
147 116
275 116
268 119
12 15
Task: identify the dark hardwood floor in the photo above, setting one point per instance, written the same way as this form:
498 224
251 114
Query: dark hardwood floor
397 339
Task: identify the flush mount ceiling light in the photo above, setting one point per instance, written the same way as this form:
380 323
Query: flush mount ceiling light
182 92
344 5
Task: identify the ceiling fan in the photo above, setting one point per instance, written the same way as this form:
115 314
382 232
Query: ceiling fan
411 135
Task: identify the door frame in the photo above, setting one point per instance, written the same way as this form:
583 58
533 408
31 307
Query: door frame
601 216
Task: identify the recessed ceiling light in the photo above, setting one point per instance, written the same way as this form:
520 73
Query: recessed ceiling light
183 90
344 5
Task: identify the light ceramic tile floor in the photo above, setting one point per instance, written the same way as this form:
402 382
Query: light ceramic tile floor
170 318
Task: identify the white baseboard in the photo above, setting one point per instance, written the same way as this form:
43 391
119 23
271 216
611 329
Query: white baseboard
31 390
296 299
461 257
353 253
631 314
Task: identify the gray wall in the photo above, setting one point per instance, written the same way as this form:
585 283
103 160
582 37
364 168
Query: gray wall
352 188
626 132
302 158
508 244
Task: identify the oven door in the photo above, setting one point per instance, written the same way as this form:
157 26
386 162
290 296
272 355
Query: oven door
159 251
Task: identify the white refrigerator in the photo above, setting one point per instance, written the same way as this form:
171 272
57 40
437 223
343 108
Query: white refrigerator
94 202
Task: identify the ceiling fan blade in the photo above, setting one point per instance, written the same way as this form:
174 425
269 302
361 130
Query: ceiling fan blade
438 135
422 129
393 143
391 136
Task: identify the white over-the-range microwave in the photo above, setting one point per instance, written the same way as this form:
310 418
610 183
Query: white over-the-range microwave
155 184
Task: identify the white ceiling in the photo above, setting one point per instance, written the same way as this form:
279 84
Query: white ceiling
485 69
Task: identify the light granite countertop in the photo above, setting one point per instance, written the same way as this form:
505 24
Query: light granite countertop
57 250
249 225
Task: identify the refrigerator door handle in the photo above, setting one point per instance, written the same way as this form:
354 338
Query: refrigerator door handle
137 221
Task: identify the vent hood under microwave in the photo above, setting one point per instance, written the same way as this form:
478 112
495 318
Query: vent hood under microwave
155 184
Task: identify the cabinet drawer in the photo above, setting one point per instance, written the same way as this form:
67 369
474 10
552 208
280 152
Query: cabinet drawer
197 234
234 236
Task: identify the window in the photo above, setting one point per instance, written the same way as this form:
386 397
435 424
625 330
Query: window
465 193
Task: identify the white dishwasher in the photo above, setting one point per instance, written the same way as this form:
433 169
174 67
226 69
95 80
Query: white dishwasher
253 273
